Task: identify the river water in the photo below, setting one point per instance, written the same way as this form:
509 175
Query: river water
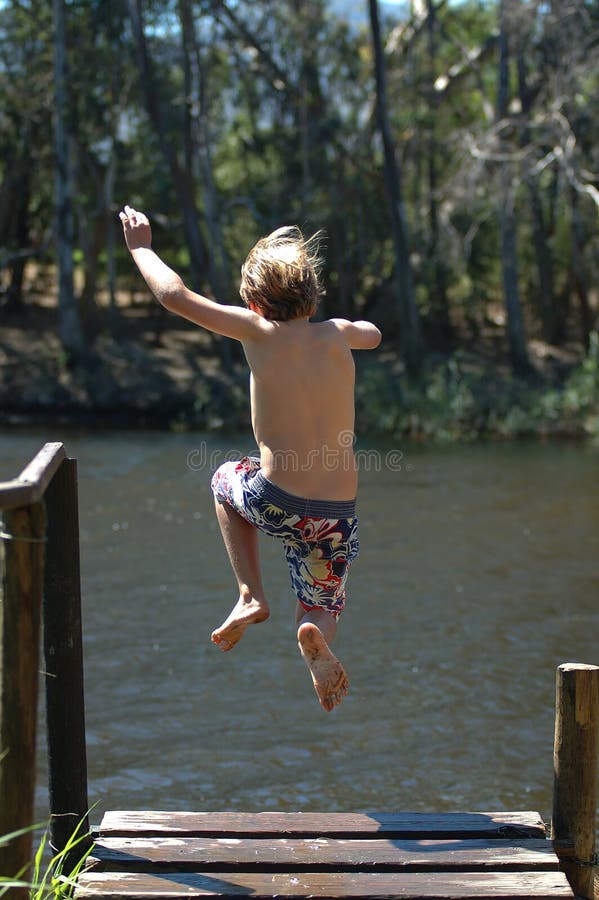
479 574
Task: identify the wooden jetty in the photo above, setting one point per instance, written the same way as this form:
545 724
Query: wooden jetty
322 855
225 854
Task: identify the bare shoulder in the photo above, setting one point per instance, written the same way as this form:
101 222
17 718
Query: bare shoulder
360 335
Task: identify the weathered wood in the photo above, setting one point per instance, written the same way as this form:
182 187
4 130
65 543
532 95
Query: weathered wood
575 759
31 484
193 854
323 855
63 649
44 464
20 612
408 885
275 824
15 493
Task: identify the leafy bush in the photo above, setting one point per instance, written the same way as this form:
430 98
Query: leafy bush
449 403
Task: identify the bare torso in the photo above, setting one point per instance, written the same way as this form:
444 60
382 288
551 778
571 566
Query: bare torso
302 398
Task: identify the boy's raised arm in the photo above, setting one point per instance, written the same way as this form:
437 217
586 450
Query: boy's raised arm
169 289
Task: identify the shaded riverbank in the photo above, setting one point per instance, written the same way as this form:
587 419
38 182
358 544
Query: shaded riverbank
152 370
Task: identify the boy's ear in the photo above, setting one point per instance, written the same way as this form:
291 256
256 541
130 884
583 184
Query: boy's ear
254 308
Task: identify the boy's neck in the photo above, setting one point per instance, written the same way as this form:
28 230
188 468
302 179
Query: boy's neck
295 321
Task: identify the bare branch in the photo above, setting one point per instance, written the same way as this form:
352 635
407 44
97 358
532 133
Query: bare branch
455 73
404 35
235 27
10 257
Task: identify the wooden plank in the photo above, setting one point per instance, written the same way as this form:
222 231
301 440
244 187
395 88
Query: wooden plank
276 824
184 853
328 886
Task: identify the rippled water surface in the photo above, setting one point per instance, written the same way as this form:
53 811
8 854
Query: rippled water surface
478 575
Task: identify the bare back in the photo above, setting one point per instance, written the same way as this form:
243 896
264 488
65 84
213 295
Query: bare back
302 398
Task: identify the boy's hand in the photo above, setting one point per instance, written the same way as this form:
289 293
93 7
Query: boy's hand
136 228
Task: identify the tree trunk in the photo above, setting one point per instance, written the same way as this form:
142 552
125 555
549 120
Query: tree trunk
110 228
509 269
92 244
197 146
578 241
310 107
182 180
507 223
14 301
322 181
440 303
342 258
411 339
6 194
71 333
553 324
543 253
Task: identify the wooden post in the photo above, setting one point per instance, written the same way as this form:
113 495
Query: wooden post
23 536
65 712
575 771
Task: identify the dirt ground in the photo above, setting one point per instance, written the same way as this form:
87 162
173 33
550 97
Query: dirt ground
142 366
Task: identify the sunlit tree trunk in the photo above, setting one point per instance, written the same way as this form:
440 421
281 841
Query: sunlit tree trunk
197 147
181 179
197 143
411 339
71 333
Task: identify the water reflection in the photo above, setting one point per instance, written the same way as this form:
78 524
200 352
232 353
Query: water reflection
478 575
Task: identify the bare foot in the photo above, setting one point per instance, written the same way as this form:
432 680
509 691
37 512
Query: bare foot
244 613
330 681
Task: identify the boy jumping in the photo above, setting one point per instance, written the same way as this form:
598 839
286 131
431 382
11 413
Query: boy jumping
303 486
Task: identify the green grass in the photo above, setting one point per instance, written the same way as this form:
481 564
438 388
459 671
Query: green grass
48 877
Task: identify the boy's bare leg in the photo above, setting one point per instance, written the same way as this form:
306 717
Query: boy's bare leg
241 541
316 629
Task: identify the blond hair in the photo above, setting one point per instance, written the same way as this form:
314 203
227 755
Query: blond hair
281 275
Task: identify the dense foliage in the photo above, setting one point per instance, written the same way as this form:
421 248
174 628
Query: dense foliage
450 150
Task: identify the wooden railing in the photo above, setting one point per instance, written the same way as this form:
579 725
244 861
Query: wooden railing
41 584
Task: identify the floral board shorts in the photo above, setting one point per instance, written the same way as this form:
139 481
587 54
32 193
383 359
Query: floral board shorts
320 537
